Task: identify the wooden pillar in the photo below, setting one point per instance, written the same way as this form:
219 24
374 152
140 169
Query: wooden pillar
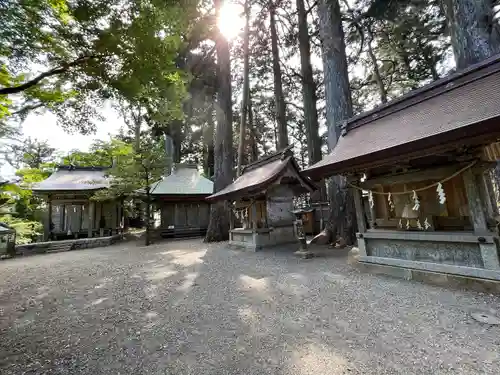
254 215
360 210
489 252
91 208
360 217
231 217
48 229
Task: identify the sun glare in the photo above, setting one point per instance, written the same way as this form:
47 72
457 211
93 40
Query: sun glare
230 21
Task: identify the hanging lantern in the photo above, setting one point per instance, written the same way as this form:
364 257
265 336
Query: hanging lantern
416 201
441 194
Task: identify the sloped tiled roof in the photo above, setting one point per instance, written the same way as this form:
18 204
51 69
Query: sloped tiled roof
184 180
70 178
450 107
262 173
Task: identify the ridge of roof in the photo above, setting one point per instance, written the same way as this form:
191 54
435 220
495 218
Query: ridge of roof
80 168
281 154
464 76
185 166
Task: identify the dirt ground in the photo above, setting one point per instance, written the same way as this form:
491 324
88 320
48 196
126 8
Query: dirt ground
187 308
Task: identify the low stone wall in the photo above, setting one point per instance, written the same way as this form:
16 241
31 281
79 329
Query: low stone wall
66 245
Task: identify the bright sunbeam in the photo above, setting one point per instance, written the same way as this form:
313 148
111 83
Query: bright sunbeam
230 22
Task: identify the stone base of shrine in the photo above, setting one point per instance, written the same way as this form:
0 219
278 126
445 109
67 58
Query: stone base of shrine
259 239
446 258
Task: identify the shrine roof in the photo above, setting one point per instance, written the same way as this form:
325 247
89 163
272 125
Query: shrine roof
72 178
259 175
185 180
459 110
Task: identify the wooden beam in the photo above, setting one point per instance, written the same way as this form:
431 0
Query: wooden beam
254 215
48 228
489 252
477 215
416 176
360 211
91 209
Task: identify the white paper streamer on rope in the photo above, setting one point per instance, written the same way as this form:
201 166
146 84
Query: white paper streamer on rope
391 203
419 226
400 224
416 202
441 194
407 224
370 199
426 224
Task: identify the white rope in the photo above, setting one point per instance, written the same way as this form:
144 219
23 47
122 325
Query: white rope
420 189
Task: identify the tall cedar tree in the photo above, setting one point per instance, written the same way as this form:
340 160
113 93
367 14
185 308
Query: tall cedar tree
246 87
278 85
338 110
218 227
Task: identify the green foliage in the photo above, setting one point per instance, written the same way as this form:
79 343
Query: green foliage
135 170
27 231
68 57
14 207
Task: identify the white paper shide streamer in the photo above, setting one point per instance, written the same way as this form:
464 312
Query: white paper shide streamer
370 199
441 194
416 201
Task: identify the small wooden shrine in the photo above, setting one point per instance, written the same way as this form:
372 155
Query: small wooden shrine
71 212
423 161
180 197
262 201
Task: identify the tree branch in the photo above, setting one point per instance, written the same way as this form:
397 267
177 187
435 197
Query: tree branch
55 71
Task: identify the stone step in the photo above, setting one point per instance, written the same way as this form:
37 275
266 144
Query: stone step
56 248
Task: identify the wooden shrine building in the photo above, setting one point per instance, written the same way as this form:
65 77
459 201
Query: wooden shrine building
180 197
71 212
424 162
262 200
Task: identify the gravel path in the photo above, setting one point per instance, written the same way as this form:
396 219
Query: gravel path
185 308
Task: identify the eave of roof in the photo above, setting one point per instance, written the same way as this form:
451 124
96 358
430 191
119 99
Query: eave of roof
261 174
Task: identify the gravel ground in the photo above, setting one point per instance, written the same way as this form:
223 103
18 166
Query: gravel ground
185 308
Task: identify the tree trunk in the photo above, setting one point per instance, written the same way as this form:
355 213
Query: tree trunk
474 34
254 153
308 88
338 109
208 144
376 72
246 88
282 136
218 227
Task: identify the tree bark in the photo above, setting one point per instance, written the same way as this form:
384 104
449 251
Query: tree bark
282 136
218 227
254 152
376 72
308 88
475 36
246 88
208 147
338 109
